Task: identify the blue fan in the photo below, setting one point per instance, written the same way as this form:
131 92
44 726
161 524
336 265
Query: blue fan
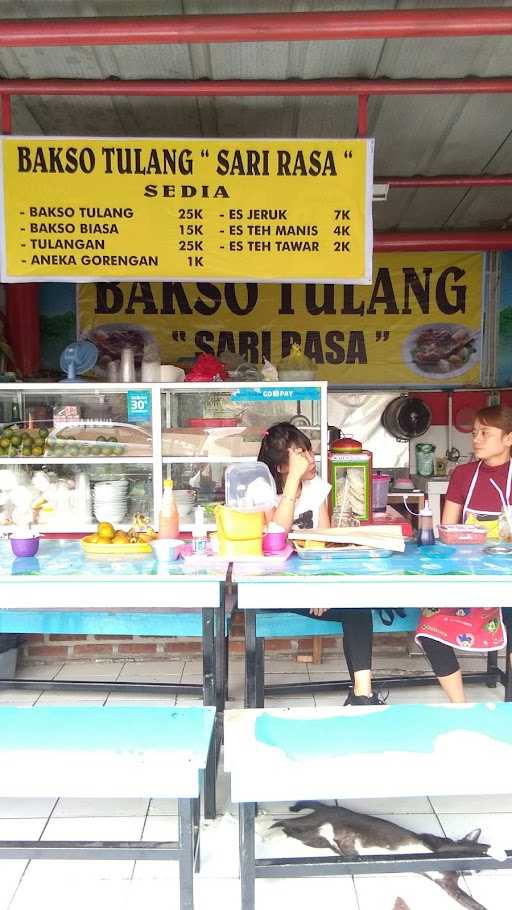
77 358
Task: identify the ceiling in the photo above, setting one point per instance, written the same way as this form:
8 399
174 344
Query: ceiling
414 134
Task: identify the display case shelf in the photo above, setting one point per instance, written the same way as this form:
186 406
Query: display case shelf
187 431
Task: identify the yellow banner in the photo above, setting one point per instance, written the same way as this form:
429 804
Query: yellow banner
418 324
187 209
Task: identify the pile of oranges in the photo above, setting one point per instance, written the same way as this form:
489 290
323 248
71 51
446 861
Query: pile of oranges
106 533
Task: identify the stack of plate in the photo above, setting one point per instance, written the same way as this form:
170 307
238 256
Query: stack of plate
185 502
109 500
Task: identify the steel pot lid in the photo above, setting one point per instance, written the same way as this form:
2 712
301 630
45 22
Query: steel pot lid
406 417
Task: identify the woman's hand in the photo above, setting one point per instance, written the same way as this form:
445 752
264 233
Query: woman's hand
298 464
318 611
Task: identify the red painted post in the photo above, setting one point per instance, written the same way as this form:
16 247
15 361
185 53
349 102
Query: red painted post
22 326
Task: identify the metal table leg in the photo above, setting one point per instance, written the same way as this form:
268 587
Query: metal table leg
250 700
246 816
186 843
210 671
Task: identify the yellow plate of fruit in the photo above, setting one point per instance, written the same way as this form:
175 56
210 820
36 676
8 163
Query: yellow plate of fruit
107 541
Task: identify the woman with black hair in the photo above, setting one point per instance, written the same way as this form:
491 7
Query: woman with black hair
303 504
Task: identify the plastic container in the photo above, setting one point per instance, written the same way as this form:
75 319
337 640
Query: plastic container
425 536
199 534
458 534
167 550
169 521
274 542
250 487
25 546
380 488
425 459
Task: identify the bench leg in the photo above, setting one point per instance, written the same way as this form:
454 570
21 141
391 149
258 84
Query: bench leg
492 669
210 683
508 671
186 843
246 816
260 672
250 659
197 833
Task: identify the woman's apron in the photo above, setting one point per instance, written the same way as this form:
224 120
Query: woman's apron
480 628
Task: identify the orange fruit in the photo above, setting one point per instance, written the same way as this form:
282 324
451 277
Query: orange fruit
120 537
105 530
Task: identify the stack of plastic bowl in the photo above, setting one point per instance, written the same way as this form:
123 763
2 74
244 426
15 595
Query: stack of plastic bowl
109 500
185 502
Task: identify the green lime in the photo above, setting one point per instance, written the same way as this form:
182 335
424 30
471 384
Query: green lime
7 432
73 451
101 439
26 450
4 442
107 451
111 439
95 450
42 432
16 440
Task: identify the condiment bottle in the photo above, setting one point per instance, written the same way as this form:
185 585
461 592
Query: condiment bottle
169 522
199 535
425 536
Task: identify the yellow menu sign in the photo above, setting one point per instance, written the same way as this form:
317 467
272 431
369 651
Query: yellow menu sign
186 209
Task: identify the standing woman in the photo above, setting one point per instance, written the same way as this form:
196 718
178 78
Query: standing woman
475 495
303 504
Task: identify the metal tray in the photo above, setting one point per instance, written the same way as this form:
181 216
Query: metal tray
350 552
498 550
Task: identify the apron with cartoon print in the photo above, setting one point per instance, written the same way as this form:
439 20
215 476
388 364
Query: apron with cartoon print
480 628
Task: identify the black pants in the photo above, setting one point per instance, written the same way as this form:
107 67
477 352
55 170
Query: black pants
357 635
442 657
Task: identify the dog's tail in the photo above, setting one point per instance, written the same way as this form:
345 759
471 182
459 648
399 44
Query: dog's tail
308 804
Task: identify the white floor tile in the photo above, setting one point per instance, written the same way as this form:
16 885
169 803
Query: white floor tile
62 894
21 828
22 807
381 891
284 665
152 671
472 803
49 875
39 671
305 893
163 807
107 671
72 698
141 698
94 808
491 889
496 828
19 697
11 872
100 827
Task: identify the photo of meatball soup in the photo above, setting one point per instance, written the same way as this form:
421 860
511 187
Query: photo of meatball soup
442 350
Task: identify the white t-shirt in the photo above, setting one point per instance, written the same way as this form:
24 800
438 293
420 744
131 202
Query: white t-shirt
313 493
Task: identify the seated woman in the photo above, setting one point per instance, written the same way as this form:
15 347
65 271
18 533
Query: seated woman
303 504
475 495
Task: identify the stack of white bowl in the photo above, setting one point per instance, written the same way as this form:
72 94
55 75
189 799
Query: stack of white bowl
185 502
110 500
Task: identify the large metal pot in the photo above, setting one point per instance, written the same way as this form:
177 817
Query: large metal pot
406 417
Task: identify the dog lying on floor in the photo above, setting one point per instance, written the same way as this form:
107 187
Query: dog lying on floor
350 833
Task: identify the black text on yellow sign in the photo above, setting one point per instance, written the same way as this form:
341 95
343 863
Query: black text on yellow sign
188 209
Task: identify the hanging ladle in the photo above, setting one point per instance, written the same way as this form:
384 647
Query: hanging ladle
452 453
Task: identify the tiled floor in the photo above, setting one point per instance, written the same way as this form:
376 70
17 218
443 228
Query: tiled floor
125 884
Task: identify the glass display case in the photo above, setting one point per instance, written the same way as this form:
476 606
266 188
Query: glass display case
75 454
207 426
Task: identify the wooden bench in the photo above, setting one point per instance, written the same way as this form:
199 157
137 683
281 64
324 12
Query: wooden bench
94 752
291 754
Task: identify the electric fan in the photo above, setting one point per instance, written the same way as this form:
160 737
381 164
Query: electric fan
77 358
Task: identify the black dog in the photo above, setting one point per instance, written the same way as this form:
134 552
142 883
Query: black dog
350 833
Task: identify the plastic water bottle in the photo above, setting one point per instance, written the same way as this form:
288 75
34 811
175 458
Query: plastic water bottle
199 535
425 536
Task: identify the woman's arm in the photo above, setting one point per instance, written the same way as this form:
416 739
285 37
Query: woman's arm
323 516
298 465
452 513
